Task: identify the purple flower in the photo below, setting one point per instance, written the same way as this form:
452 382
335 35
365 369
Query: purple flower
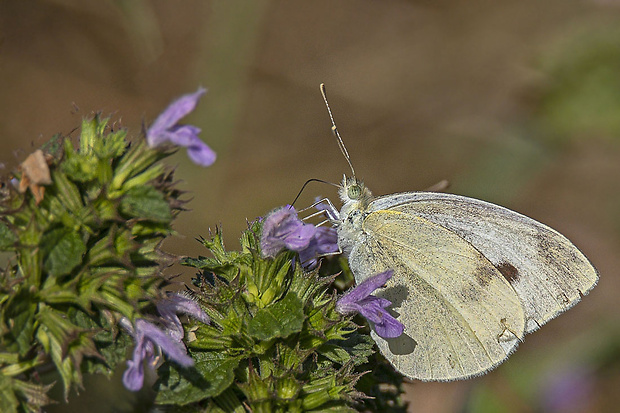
149 340
179 304
325 241
359 299
165 129
283 229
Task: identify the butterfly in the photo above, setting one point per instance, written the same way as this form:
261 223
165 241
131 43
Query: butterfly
471 278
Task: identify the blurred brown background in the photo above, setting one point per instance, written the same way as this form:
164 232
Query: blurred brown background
514 102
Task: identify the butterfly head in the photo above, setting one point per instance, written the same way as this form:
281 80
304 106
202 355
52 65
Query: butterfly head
354 191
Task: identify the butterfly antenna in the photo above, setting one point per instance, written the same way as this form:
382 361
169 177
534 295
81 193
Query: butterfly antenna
304 187
343 149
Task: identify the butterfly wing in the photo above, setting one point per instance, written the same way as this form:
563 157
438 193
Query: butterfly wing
461 316
546 270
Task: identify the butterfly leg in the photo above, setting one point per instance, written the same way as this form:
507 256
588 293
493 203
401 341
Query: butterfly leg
326 207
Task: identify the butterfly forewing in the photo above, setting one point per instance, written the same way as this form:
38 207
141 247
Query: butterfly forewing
548 273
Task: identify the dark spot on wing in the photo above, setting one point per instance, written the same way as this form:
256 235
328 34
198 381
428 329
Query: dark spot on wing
484 275
548 241
544 246
563 298
469 293
510 273
451 361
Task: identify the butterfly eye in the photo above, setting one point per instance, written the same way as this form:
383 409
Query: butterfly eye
354 191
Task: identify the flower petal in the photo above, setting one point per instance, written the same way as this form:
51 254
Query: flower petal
359 299
175 304
200 153
185 305
389 327
365 288
325 241
371 310
283 229
184 135
133 377
176 351
165 129
174 327
380 302
386 325
171 115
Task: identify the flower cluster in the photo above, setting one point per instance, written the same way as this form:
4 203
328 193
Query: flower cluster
82 227
276 342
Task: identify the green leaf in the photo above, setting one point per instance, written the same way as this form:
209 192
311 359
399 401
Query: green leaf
211 375
209 337
148 229
280 319
63 251
33 396
19 313
357 347
8 400
145 202
114 352
65 344
112 343
7 238
106 210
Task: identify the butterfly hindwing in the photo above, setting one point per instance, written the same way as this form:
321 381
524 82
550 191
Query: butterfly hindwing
461 316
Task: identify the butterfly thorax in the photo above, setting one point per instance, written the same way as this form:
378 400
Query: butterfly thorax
355 200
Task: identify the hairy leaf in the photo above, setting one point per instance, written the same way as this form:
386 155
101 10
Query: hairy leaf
210 376
145 202
280 319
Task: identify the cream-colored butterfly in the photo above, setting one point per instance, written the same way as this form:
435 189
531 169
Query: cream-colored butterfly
470 278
